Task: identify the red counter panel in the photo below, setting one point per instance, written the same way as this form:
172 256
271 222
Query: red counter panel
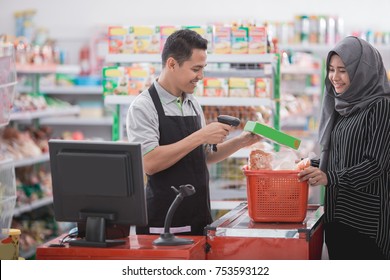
137 247
235 237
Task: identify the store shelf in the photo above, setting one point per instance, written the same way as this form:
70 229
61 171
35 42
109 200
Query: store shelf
323 48
32 160
133 58
234 101
299 70
240 73
315 48
47 69
119 99
45 113
32 206
103 121
204 101
24 89
85 90
92 90
306 91
211 58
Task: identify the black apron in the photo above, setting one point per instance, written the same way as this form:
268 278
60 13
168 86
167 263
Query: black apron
194 210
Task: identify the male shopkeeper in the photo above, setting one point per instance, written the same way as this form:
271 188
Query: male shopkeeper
170 124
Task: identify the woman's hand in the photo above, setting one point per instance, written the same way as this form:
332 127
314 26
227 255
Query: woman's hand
314 176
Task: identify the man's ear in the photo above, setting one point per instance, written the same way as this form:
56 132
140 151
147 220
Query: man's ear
171 63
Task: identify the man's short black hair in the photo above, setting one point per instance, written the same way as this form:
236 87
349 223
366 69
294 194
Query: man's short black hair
180 44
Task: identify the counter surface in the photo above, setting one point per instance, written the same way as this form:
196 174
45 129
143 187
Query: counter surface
234 236
136 247
238 223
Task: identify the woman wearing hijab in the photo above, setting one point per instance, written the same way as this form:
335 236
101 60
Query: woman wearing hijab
355 161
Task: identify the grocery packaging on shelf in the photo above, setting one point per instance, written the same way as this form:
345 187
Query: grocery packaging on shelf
134 39
222 42
215 87
206 31
120 40
240 39
146 39
165 32
257 40
241 87
127 80
263 87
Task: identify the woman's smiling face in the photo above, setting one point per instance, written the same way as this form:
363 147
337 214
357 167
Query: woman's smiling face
338 75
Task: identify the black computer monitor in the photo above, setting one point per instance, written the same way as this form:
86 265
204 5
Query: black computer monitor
99 185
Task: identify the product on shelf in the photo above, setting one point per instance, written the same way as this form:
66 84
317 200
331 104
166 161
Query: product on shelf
263 87
257 40
146 39
218 87
222 42
23 144
73 135
36 229
222 38
131 80
244 113
165 32
199 90
134 39
120 40
206 31
240 40
241 87
33 184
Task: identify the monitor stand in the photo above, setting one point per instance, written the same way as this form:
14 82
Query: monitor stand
95 232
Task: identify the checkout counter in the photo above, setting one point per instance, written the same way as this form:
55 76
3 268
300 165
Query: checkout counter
233 236
236 237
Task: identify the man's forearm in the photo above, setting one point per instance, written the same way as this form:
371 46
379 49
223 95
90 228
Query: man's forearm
225 149
163 157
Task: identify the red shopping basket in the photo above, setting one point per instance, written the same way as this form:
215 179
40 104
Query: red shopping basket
276 196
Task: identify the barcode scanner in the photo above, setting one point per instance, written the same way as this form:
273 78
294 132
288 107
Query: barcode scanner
233 121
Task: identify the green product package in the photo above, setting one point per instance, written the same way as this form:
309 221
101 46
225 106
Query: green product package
273 134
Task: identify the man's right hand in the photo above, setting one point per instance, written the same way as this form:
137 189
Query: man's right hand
215 132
